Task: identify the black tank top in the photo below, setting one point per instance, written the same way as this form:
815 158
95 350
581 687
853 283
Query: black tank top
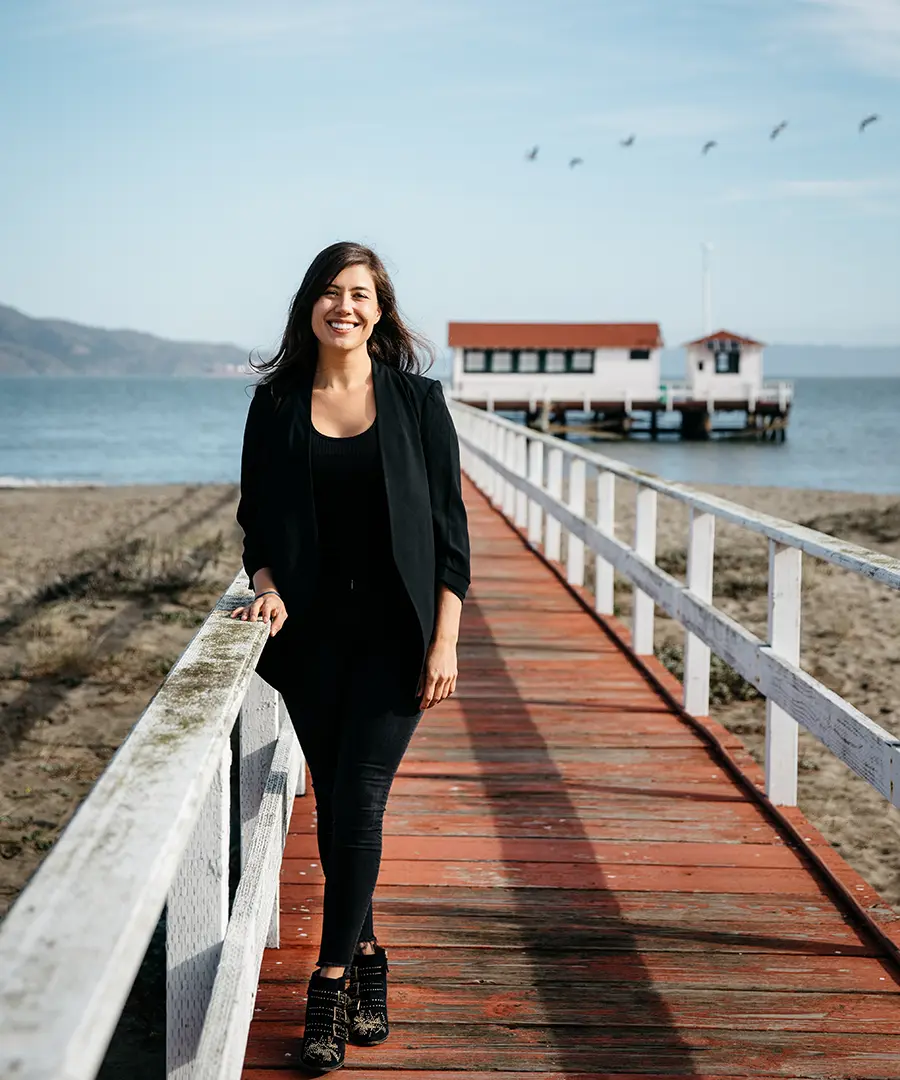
351 510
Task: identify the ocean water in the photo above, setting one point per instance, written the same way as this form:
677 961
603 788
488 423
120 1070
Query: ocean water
844 435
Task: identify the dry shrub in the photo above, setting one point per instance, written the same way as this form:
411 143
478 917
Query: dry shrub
140 566
55 648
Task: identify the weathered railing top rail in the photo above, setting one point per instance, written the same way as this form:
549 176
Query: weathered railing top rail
780 390
861 560
154 827
522 472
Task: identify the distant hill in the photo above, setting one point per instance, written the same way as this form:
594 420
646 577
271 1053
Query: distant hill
52 347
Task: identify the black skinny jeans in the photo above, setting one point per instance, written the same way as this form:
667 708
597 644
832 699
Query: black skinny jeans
353 708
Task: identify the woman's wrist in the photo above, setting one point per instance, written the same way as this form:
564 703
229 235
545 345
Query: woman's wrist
263 580
266 592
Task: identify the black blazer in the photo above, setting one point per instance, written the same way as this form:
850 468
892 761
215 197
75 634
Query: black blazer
420 457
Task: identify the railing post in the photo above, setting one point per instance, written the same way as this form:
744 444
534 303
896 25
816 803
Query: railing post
604 575
645 546
536 476
196 920
785 569
521 470
509 460
575 553
495 446
481 437
554 487
259 729
701 552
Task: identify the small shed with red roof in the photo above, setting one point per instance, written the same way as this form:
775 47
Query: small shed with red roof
570 365
725 365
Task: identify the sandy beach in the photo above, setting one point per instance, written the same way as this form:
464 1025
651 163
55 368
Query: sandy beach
101 588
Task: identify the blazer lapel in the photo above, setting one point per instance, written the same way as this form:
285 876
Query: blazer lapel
296 479
394 441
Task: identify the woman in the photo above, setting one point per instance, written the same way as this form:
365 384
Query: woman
357 549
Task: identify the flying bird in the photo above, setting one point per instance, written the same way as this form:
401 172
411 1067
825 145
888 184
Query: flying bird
627 142
708 146
532 153
776 131
868 120
576 161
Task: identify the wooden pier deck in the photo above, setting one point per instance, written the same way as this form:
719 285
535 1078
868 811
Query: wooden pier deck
579 881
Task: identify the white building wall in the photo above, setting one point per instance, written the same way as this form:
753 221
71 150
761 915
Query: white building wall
615 378
706 382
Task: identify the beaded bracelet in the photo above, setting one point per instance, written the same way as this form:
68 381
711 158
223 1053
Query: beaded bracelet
266 592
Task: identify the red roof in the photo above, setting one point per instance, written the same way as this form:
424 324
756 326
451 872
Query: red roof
726 335
555 335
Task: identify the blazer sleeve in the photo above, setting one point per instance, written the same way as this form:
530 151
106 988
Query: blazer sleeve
451 532
254 464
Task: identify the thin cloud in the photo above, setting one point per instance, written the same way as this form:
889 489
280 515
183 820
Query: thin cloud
845 190
868 30
286 24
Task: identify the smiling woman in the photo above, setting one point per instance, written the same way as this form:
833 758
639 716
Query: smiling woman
354 524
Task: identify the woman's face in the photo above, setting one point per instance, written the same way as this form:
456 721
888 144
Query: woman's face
345 314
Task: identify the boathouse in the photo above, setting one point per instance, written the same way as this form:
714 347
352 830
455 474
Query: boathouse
529 366
725 367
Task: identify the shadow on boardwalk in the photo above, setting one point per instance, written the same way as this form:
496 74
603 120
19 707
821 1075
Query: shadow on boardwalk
582 961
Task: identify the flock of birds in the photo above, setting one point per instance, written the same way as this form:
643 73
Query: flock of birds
532 154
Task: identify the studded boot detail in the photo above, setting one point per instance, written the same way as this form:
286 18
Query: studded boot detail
367 1014
325 1031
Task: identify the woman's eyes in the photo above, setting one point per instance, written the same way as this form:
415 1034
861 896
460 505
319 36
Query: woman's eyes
331 293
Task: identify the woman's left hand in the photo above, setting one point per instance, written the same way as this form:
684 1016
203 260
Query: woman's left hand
439 676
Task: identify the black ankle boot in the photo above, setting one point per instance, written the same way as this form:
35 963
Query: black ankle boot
367 1013
325 1031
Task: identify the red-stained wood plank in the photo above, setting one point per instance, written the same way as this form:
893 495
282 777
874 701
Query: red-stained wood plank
403 823
625 1006
573 885
567 761
500 1047
754 923
596 936
615 804
361 1066
544 966
562 850
589 784
546 875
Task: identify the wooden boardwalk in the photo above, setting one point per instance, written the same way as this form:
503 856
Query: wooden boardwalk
576 881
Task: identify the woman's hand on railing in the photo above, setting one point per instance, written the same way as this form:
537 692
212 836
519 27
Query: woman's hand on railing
438 679
269 606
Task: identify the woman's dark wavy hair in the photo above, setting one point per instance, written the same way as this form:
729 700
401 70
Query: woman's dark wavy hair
391 342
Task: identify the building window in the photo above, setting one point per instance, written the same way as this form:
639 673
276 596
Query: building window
581 361
475 360
501 361
727 355
529 363
639 354
554 362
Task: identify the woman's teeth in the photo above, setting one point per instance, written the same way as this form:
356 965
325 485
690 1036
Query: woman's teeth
342 327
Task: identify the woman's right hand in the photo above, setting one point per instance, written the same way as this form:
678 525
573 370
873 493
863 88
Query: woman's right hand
269 607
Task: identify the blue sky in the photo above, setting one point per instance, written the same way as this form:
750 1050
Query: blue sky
173 165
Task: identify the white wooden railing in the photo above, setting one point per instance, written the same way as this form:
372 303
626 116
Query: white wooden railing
781 392
522 472
153 831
